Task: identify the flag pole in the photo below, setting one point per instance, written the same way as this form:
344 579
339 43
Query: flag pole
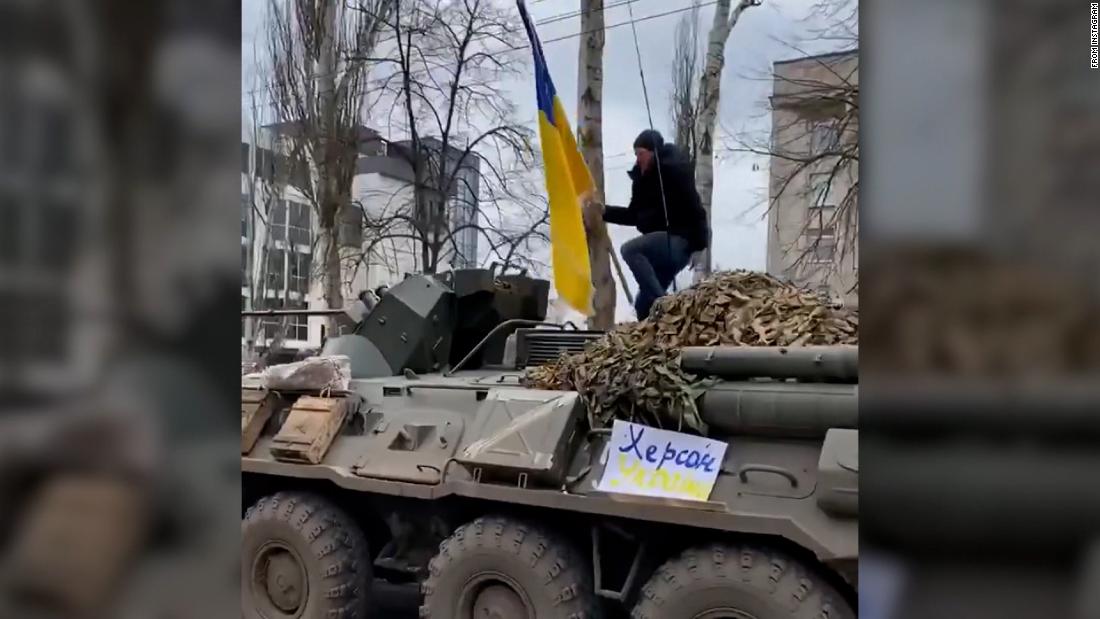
618 269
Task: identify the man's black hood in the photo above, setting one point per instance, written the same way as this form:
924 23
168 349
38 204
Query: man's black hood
670 157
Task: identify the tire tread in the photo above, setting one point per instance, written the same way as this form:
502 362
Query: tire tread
793 587
559 566
333 539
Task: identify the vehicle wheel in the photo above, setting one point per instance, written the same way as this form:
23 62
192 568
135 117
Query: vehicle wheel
302 557
726 582
498 568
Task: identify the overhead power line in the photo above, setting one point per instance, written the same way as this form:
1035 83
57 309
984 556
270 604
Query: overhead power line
542 22
580 12
628 22
574 35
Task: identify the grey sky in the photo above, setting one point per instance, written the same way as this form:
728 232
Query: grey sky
764 35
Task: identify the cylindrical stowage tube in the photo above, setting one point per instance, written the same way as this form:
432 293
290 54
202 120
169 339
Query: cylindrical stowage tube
820 363
791 410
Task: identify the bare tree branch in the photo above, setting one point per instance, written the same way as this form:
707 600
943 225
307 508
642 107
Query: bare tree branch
686 67
464 148
813 147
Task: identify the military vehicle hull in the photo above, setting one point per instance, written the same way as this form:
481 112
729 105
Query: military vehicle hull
485 491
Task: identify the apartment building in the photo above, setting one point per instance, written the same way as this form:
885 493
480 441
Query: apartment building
813 221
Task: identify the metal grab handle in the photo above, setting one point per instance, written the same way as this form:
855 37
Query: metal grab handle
743 472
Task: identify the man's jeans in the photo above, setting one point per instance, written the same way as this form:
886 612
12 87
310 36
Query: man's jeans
655 259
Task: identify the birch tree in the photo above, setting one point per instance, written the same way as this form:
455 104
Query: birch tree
590 142
726 16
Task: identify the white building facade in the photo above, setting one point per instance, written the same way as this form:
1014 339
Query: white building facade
280 259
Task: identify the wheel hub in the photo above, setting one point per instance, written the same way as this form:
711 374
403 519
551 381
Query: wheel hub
279 580
499 602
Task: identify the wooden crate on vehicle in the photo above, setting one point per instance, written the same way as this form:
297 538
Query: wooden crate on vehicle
257 406
78 536
309 429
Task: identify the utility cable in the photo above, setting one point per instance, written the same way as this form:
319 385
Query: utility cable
524 46
656 147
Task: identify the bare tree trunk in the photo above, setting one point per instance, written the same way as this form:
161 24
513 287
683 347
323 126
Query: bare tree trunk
590 142
328 145
248 329
710 84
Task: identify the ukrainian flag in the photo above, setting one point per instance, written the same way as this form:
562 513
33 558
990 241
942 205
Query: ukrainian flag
568 182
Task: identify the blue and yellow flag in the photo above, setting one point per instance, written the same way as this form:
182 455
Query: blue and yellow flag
568 182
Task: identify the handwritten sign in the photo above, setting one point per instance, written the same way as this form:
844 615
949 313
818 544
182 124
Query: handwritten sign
660 463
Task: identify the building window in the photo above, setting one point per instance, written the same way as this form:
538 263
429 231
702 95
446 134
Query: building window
246 275
276 221
276 269
298 224
297 327
824 136
300 264
820 244
820 190
245 150
284 267
290 222
245 208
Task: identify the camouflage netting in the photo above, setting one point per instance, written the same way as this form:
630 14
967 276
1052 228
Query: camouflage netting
633 372
961 314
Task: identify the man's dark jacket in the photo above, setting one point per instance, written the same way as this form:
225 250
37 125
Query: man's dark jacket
686 217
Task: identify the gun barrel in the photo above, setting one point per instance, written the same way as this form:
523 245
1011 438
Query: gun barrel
813 363
784 409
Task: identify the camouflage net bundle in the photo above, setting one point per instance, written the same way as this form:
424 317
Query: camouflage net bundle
959 313
633 372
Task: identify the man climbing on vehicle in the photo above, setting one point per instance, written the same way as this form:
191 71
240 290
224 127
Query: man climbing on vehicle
672 229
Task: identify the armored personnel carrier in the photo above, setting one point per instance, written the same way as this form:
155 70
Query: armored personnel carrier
438 466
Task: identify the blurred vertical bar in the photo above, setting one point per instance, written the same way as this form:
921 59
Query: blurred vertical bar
119 284
980 310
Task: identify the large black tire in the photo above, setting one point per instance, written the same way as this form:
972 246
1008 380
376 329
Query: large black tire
508 569
302 557
759 582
